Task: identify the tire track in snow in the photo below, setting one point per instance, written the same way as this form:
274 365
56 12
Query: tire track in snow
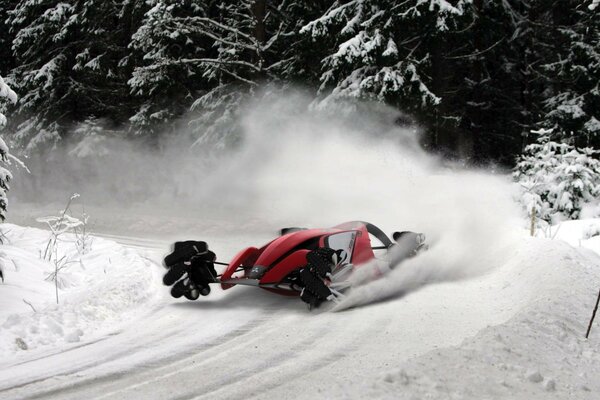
77 368
339 347
79 346
137 243
218 355
233 356
198 361
239 365
173 331
166 362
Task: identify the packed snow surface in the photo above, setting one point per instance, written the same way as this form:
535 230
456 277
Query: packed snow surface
515 331
487 312
97 290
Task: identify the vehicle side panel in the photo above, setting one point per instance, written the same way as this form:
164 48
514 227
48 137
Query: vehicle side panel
246 257
362 247
286 266
279 247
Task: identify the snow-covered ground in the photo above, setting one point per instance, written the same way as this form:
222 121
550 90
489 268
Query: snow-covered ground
98 289
486 313
515 331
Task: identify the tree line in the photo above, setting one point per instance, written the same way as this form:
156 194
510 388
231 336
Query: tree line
476 75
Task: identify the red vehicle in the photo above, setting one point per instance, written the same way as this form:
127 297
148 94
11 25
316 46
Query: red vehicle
311 263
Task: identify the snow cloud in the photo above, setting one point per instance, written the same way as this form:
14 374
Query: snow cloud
297 167
309 170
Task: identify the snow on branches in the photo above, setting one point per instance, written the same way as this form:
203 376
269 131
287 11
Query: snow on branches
572 105
374 57
6 92
72 63
5 175
557 179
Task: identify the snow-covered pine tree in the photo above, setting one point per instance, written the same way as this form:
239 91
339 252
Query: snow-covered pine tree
6 60
255 43
210 56
369 58
469 70
390 51
573 75
5 176
185 62
492 88
163 80
557 178
71 60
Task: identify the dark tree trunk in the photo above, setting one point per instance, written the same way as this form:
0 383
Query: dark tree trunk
472 129
259 9
258 12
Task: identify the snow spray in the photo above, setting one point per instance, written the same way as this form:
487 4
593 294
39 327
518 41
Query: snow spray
295 165
319 171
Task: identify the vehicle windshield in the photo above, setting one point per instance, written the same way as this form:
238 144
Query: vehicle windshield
342 241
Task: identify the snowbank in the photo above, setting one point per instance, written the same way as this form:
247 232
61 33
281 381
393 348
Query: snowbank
97 291
540 352
580 233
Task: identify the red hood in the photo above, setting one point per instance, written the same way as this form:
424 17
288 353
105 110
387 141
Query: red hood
270 253
283 245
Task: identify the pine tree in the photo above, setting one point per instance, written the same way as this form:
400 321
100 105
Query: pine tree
163 80
251 48
372 57
573 74
72 65
493 84
5 176
558 179
7 59
212 57
393 52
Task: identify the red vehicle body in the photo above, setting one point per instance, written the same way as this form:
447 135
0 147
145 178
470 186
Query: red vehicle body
277 266
287 253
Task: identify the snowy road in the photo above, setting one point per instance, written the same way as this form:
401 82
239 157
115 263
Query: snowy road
245 343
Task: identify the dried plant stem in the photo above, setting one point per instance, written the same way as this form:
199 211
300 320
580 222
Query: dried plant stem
532 226
30 305
593 316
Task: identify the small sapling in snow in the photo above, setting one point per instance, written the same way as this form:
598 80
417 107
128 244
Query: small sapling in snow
59 225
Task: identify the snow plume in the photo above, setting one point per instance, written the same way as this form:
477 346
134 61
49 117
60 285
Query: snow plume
296 167
468 233
309 170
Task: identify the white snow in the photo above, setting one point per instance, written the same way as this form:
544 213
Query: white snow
548 289
557 179
515 331
583 233
5 92
486 313
98 290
